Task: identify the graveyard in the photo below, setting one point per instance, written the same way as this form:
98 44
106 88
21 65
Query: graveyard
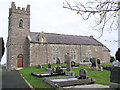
35 82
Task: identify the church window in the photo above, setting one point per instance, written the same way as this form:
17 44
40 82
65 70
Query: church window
88 52
73 54
55 53
21 23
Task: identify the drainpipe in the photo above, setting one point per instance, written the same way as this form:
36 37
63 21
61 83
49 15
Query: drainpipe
47 52
80 53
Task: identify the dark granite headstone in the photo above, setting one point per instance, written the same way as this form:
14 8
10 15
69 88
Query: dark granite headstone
98 61
83 74
93 61
83 60
58 61
49 65
90 59
72 63
39 66
59 70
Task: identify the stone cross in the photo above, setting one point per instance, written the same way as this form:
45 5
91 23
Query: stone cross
68 61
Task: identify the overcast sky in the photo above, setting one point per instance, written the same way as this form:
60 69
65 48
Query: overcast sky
50 16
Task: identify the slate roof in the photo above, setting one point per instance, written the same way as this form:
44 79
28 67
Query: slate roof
53 38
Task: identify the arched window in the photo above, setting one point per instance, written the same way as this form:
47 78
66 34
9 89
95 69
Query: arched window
55 53
21 23
73 54
88 52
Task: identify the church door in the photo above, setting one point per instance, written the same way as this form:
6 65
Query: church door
20 61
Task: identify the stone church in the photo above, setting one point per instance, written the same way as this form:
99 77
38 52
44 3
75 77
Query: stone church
25 48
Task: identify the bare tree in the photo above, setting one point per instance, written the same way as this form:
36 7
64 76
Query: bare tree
105 12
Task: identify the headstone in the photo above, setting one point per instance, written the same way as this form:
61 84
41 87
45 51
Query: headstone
96 64
39 66
87 59
72 63
83 74
68 61
69 70
98 61
59 70
93 61
90 59
58 61
49 65
83 60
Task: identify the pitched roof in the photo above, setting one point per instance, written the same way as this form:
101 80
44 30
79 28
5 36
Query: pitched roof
53 38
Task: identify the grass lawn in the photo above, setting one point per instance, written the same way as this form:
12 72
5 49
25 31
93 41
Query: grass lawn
102 76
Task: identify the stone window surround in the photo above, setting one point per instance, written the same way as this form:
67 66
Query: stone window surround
55 53
21 23
73 54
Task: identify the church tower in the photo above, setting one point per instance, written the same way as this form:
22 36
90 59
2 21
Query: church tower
17 42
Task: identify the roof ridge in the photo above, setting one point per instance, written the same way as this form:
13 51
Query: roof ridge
61 34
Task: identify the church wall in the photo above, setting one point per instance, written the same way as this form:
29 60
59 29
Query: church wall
14 51
37 54
62 50
96 51
106 56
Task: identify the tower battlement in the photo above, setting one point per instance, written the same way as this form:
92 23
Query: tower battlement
15 9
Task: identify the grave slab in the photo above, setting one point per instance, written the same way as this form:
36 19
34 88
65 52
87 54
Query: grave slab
48 74
88 86
67 81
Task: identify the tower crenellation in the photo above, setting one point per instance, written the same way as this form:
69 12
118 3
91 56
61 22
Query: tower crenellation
18 9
